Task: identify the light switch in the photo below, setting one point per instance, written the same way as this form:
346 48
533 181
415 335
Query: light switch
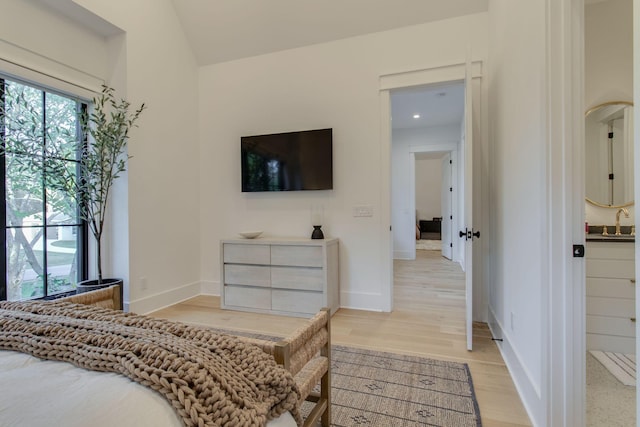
363 211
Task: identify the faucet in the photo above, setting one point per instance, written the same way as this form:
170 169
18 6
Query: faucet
626 214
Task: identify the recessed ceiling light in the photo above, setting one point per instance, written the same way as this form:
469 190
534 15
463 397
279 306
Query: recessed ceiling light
416 116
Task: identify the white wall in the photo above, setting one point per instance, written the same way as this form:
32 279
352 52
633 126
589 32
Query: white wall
608 71
43 46
636 160
326 85
404 143
36 37
155 212
428 188
518 192
608 55
167 226
153 63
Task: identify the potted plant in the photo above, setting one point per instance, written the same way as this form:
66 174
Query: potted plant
105 130
104 157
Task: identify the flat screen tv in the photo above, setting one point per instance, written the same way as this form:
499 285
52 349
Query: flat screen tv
291 161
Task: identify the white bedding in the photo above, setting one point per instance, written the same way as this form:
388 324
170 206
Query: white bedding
35 393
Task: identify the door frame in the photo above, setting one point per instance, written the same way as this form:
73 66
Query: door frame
447 148
567 18
447 204
564 320
388 82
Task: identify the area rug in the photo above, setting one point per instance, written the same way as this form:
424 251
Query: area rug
372 388
429 245
378 389
621 366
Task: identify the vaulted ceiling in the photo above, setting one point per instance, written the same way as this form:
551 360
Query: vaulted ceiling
225 30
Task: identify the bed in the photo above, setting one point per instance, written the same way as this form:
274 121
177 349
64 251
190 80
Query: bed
270 379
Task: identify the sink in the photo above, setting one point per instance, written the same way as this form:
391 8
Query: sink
610 238
595 233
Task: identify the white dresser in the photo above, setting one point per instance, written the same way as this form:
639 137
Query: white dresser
610 293
294 277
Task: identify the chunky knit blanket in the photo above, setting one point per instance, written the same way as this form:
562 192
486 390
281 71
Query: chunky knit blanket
210 379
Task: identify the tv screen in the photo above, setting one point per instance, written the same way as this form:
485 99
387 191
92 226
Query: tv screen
290 161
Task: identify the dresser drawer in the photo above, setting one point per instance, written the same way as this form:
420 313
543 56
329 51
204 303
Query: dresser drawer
241 296
294 277
303 278
300 256
247 254
296 301
254 275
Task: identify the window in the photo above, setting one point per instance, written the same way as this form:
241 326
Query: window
45 243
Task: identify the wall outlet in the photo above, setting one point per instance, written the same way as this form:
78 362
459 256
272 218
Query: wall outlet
143 283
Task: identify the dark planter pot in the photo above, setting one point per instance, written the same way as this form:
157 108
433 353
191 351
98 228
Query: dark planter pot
92 285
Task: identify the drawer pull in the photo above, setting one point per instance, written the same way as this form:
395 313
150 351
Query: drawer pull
633 319
632 280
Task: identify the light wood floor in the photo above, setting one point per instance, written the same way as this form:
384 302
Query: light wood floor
428 320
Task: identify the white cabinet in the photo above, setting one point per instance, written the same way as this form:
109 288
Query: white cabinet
610 296
281 276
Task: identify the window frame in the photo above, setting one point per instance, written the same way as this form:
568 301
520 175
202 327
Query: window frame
82 249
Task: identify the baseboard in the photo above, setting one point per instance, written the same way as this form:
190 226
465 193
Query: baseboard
362 301
408 255
351 300
529 393
210 287
163 299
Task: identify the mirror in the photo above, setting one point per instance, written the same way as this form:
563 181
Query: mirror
609 154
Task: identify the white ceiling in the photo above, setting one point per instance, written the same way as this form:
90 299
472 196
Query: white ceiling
224 30
437 105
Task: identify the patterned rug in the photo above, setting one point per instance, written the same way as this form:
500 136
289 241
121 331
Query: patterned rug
378 389
371 388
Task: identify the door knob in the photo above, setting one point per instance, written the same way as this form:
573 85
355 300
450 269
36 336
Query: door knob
469 234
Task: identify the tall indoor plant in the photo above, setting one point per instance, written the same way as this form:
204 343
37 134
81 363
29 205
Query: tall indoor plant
98 146
103 159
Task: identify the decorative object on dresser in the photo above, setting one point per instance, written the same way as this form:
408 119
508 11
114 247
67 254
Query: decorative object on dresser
317 232
281 276
250 234
317 218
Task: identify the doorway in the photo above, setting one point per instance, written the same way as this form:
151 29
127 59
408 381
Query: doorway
426 127
434 202
469 75
426 137
609 290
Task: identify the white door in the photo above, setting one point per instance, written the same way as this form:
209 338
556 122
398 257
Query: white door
468 234
446 201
